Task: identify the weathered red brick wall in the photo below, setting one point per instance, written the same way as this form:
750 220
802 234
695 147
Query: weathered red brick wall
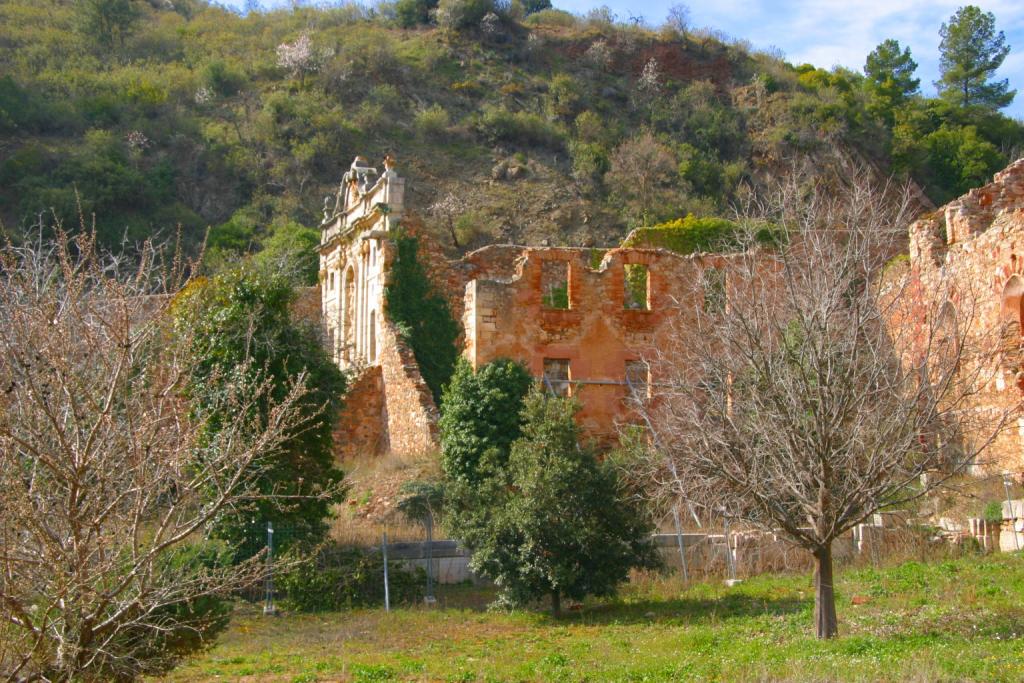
360 429
410 413
971 254
505 317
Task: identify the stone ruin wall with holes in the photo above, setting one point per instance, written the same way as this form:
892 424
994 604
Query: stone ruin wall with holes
505 314
971 254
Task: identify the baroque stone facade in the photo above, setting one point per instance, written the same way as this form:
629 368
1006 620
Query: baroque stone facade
971 253
388 407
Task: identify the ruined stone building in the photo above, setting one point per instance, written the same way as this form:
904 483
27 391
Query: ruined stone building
584 322
971 254
587 322
389 406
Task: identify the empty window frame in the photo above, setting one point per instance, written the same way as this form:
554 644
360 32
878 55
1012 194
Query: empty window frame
636 291
638 379
556 376
713 283
554 284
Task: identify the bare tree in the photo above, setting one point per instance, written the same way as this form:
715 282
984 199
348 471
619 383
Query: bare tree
824 388
448 209
107 472
678 18
642 171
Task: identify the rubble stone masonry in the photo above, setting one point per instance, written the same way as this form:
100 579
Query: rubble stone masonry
598 342
971 253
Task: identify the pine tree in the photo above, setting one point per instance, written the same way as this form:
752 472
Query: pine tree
890 77
971 51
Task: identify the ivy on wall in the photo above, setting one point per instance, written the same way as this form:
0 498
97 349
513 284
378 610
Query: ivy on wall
423 317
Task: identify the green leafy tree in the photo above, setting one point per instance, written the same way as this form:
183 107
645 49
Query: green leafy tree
890 77
534 6
412 13
422 316
553 522
961 158
108 22
291 249
971 51
457 15
480 416
241 322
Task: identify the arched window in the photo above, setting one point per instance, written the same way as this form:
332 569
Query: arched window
1013 299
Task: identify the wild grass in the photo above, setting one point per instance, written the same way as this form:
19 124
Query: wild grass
374 490
956 620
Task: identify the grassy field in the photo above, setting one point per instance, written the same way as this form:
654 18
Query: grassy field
958 620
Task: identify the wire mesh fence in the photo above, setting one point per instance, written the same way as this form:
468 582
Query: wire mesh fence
338 575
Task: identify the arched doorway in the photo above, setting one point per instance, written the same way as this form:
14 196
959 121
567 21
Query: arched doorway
944 345
1012 330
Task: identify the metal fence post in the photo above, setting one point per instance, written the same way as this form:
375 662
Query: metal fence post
429 598
679 542
387 595
268 603
728 554
1009 504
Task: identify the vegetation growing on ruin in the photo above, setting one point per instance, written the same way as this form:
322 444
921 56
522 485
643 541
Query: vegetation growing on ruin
422 316
692 234
184 113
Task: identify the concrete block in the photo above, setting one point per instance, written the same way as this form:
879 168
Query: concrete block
947 524
1010 540
891 519
1013 509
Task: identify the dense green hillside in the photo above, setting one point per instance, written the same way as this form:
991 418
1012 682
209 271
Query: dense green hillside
154 114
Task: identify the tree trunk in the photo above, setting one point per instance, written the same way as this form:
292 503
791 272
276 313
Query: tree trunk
825 622
556 604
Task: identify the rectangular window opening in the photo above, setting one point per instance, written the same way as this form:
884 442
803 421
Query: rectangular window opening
713 283
636 287
638 379
554 284
556 376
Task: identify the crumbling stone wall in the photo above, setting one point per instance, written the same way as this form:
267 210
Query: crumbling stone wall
971 253
600 334
360 430
388 407
410 413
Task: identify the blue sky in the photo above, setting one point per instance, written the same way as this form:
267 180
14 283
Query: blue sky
833 32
